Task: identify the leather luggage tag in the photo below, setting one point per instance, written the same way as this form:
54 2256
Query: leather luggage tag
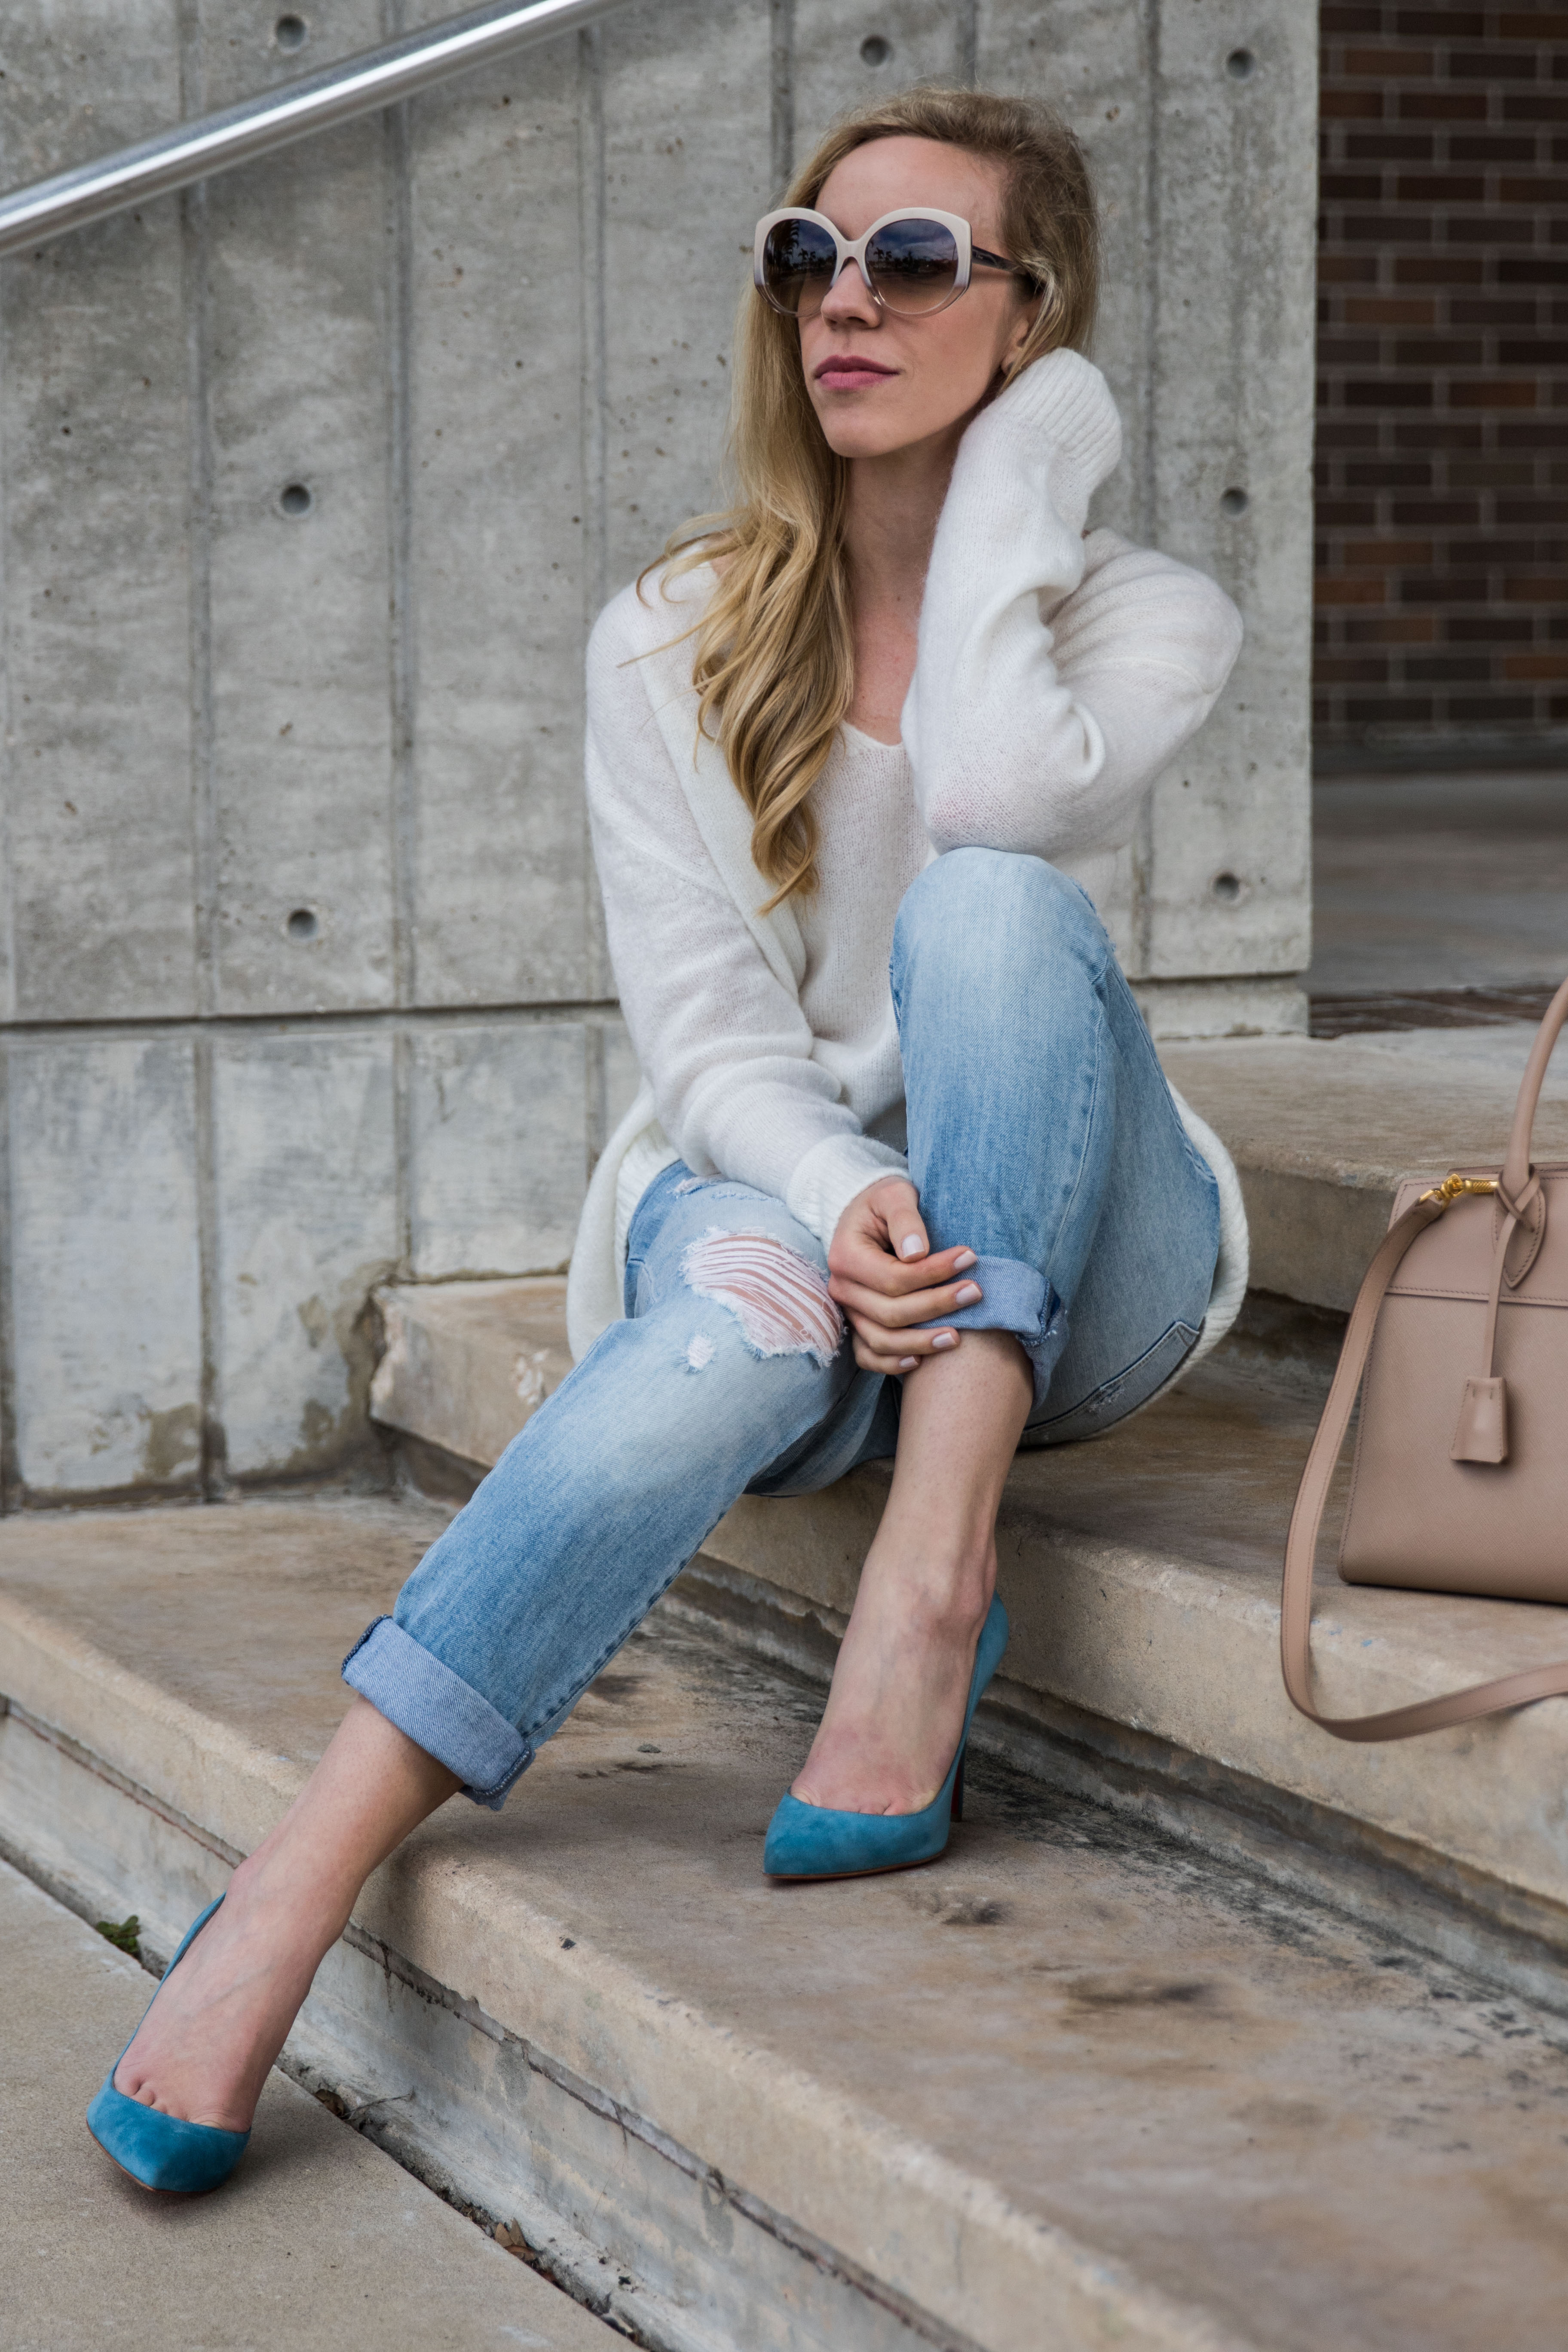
1482 1431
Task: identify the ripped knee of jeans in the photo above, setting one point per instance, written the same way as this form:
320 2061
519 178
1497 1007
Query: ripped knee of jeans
778 1298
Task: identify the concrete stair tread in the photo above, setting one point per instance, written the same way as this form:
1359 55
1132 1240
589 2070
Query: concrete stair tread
1068 2086
321 2227
465 1363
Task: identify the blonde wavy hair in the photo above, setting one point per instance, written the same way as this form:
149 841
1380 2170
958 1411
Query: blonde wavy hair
774 666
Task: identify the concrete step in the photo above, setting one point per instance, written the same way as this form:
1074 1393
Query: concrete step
1074 2086
463 1364
328 2246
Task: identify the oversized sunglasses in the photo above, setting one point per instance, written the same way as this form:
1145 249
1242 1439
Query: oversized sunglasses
914 264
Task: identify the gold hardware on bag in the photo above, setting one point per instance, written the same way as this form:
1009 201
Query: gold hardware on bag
1452 1187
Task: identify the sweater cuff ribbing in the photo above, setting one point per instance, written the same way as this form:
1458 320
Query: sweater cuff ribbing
828 1176
1061 405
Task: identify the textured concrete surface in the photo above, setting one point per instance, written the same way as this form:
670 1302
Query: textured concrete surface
1073 2085
1438 882
312 481
326 2243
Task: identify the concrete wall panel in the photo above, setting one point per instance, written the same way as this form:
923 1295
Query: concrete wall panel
94 468
1229 877
499 523
497 1160
851 54
307 1224
104 1263
296 263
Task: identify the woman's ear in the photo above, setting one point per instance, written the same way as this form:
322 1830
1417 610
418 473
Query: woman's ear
1029 316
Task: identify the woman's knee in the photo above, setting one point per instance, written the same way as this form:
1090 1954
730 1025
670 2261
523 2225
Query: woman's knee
740 1319
776 1294
978 904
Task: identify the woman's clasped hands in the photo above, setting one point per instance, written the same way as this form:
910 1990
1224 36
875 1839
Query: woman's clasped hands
893 1289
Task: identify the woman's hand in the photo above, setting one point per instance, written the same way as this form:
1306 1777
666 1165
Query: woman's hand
882 1273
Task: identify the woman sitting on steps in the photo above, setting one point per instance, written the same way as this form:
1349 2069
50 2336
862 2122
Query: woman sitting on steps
905 1177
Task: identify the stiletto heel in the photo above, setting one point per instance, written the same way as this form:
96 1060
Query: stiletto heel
163 2153
815 1842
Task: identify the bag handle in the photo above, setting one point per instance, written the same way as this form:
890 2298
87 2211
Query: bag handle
1516 1167
1311 1498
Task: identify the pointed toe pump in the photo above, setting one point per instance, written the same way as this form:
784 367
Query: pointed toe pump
814 1842
162 2152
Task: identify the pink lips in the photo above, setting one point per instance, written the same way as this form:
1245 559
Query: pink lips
851 372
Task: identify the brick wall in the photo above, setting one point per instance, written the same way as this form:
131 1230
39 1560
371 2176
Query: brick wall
1442 560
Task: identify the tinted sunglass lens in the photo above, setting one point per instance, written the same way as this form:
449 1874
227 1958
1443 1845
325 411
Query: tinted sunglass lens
797 263
913 264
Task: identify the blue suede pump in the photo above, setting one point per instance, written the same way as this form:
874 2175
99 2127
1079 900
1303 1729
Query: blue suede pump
158 2151
814 1842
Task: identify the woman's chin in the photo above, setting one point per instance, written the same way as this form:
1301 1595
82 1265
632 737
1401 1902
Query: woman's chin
856 434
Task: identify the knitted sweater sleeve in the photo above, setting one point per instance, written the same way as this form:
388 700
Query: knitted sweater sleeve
1056 674
721 1039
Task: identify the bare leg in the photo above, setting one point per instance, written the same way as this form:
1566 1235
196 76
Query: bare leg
216 2029
902 1680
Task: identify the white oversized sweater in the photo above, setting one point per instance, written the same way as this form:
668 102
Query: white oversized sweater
1055 675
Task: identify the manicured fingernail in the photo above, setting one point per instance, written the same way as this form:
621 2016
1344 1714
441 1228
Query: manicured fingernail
963 1261
909 1247
969 1293
909 1363
945 1339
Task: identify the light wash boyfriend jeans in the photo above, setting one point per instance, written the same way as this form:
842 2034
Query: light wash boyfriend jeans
1041 1132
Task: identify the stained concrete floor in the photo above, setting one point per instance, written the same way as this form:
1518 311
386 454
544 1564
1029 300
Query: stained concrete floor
1299 2126
1439 882
329 2244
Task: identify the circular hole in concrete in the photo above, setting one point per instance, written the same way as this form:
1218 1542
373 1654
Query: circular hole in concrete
290 32
1235 501
1241 65
295 501
875 50
302 923
1225 888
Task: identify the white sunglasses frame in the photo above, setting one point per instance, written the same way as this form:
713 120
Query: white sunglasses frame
853 250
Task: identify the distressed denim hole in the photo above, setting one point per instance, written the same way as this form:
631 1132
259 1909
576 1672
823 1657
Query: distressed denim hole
777 1296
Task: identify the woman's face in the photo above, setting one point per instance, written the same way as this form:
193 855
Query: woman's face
880 382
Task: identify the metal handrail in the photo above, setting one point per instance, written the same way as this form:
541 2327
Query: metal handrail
362 84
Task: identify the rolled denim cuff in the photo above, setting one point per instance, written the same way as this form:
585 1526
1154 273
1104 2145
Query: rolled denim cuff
438 1711
1019 1299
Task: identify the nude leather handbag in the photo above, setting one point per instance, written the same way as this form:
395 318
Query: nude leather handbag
1460 1480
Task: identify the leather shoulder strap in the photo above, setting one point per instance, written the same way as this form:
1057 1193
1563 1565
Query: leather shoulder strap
1516 1167
1301 1544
